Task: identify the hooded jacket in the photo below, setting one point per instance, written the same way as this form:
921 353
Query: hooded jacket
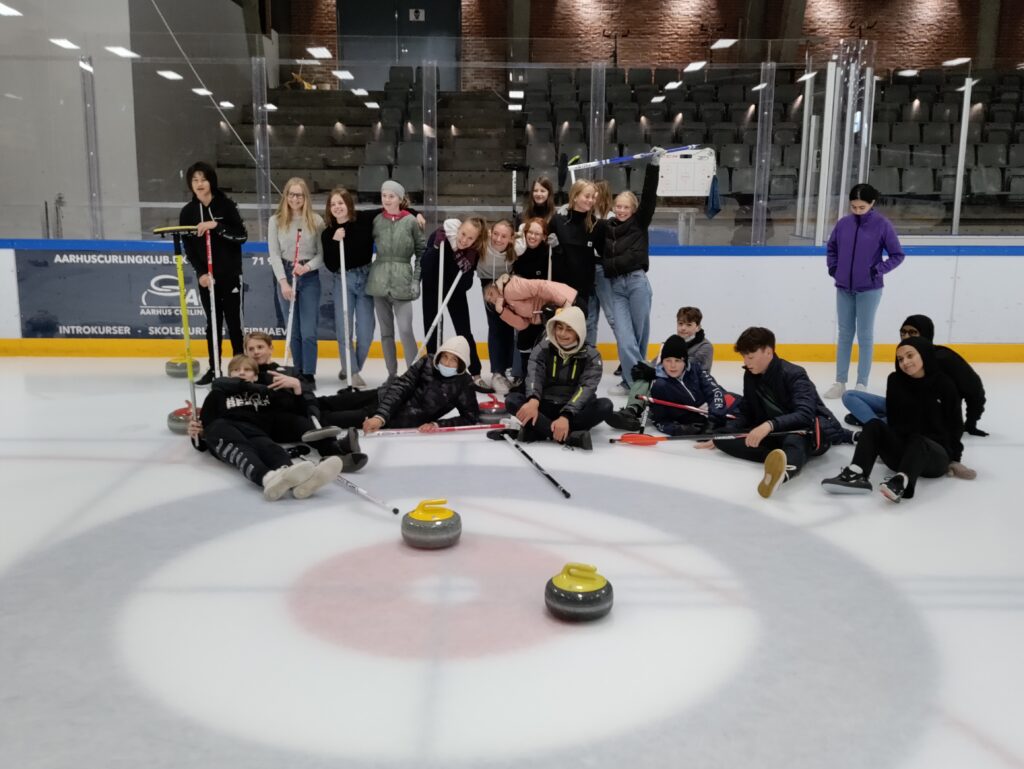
226 238
626 245
964 377
566 377
522 300
929 406
855 251
694 388
422 394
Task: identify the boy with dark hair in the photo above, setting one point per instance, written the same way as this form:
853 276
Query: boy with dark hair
699 349
559 400
778 396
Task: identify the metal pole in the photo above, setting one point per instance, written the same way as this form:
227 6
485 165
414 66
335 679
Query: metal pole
827 133
429 131
961 156
91 146
598 107
261 140
812 139
806 150
763 159
852 70
867 125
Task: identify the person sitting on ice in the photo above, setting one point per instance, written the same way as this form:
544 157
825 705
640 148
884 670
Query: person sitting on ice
778 396
236 422
682 381
559 401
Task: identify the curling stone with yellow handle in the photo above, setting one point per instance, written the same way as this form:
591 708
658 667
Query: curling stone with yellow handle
578 593
431 526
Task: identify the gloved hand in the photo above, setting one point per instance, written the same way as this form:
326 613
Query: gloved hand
643 371
656 157
971 428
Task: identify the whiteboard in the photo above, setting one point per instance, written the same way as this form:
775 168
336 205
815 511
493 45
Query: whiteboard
686 174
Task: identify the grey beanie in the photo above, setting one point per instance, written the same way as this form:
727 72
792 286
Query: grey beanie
392 186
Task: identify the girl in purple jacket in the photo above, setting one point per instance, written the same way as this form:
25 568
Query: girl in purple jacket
856 262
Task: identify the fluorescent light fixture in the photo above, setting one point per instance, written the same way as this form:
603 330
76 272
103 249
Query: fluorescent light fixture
6 10
658 99
516 94
270 107
1021 65
13 96
673 85
63 42
806 77
319 52
759 87
907 73
202 92
124 53
956 62
308 62
372 104
226 104
693 66
360 92
725 42
515 107
342 74
168 74
85 65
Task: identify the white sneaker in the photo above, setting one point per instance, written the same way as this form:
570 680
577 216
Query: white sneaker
277 482
861 388
357 381
500 384
619 389
835 391
322 474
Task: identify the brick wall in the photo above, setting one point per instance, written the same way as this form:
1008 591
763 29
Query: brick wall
484 25
313 23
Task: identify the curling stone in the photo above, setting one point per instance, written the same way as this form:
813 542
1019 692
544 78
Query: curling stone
431 526
578 593
178 368
177 420
492 411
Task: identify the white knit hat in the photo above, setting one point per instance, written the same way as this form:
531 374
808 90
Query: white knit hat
457 346
392 186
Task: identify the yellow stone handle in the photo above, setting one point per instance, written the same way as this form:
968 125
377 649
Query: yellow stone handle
432 510
579 577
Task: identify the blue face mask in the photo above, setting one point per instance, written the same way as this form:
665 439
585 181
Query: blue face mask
446 371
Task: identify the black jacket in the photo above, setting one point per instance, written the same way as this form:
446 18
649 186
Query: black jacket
423 395
966 380
533 262
626 245
567 381
929 406
251 402
226 238
358 241
577 252
785 395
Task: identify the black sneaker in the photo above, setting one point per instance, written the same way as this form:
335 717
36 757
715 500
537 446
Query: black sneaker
627 419
530 434
618 371
206 379
850 481
499 435
850 419
349 441
580 439
309 379
354 462
894 488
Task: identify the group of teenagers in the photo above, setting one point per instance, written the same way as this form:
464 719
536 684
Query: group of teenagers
545 279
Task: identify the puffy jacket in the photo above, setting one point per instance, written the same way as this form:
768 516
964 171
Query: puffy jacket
423 395
226 238
395 272
522 300
695 388
626 245
785 395
929 406
566 378
855 251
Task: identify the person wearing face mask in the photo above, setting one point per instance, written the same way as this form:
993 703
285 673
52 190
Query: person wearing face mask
432 387
464 243
862 248
922 435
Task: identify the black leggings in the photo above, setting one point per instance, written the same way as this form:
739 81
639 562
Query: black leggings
797 448
348 408
228 293
591 415
914 455
246 447
458 305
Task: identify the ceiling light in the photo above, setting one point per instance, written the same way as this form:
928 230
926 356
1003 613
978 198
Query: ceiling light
657 99
956 62
308 62
673 85
63 42
1021 65
759 87
270 107
516 94
372 104
202 92
13 96
725 42
85 65
806 77
319 52
342 74
360 92
226 104
515 107
6 10
907 73
123 52
168 74
693 66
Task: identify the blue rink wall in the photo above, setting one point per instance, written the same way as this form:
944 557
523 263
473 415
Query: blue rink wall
121 297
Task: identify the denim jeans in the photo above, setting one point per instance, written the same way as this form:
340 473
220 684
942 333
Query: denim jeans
600 300
307 311
864 406
631 309
361 320
856 313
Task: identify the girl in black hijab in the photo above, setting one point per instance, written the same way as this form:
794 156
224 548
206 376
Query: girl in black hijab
923 433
